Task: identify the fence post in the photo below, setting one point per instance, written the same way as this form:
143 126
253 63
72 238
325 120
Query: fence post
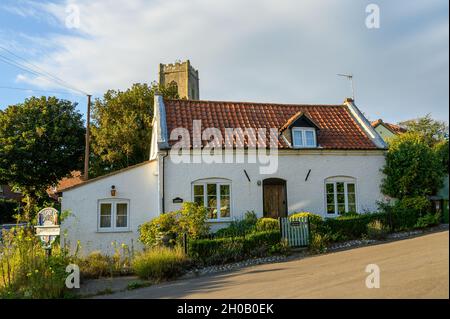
309 229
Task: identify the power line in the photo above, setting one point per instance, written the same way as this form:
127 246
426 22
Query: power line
35 70
34 90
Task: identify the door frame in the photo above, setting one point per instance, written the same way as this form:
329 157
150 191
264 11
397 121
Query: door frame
275 181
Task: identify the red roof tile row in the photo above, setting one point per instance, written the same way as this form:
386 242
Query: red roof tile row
338 128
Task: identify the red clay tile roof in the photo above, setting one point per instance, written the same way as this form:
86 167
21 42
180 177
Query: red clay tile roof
338 128
396 129
66 182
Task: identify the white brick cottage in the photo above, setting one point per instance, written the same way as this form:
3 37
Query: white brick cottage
324 159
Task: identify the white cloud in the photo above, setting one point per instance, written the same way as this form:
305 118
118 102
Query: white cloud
284 51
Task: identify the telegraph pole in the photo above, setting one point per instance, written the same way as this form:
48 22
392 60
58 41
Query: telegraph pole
86 149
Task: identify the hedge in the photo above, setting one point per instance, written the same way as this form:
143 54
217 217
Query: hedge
350 227
7 210
229 249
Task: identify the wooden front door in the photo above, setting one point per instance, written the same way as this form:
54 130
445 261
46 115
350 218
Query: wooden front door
275 199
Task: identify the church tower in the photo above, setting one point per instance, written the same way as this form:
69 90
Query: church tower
184 76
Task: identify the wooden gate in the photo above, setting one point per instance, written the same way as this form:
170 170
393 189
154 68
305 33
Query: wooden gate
295 231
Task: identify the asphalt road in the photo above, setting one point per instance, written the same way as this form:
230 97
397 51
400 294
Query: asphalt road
411 268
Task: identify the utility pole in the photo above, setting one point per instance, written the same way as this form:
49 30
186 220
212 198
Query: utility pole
349 77
86 148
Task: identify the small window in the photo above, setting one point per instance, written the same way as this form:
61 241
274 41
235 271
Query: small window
340 197
304 137
113 215
216 197
1 190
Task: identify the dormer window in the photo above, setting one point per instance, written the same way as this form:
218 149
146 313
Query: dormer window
304 137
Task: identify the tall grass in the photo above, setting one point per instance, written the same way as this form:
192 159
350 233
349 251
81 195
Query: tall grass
160 263
26 271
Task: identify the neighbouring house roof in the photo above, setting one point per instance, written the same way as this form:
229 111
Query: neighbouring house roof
338 127
76 177
395 129
82 182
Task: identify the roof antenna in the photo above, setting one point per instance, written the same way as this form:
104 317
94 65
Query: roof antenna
349 77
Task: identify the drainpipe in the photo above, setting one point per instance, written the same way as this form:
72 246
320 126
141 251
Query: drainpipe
163 204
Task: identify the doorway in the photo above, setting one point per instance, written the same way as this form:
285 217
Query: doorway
274 198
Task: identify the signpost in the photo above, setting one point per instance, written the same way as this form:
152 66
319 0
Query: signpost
47 228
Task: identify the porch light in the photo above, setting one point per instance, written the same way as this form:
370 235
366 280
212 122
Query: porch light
113 190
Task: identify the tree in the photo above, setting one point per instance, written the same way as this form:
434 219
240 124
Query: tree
432 130
41 141
412 167
121 129
442 152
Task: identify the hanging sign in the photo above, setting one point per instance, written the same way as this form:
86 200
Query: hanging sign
47 227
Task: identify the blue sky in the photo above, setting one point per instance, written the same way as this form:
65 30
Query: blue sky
271 51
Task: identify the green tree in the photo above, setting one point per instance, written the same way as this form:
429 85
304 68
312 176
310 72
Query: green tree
41 141
121 129
412 167
432 130
442 152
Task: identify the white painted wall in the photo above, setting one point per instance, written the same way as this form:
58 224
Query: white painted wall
293 167
139 185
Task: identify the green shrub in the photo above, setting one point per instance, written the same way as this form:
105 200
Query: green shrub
377 230
192 219
229 249
428 220
315 221
318 243
162 230
160 263
167 229
8 208
264 224
404 213
239 227
349 227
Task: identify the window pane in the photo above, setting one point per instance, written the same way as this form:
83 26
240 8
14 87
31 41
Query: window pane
224 190
341 209
350 188
352 208
340 198
212 207
225 206
351 199
199 200
297 136
330 199
211 189
105 215
330 209
198 190
330 188
340 187
121 215
224 200
309 138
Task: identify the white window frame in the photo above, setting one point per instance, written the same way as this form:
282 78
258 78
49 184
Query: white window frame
346 181
218 183
304 130
113 227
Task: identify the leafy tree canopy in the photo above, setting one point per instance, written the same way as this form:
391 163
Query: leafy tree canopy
121 130
432 130
41 141
412 167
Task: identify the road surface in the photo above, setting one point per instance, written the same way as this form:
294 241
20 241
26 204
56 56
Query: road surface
411 268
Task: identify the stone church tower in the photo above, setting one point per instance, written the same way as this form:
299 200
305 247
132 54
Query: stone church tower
184 76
